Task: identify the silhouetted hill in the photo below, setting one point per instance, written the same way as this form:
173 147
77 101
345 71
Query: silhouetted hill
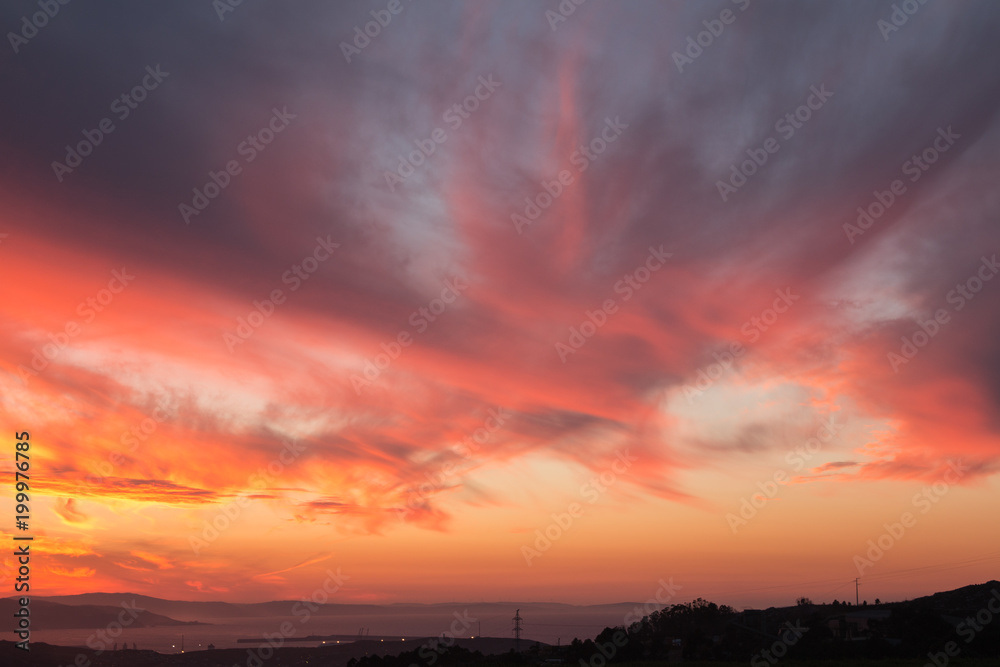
965 600
47 615
198 610
961 601
962 619
180 609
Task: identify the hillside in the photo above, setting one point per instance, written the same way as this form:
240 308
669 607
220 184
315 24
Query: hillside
47 615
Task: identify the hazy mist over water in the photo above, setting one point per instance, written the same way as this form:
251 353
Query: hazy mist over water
548 627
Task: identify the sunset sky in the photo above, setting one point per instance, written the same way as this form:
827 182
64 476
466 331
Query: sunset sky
500 301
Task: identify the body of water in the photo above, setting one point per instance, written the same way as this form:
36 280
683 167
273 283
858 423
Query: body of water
548 627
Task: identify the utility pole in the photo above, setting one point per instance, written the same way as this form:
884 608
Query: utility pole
517 631
856 585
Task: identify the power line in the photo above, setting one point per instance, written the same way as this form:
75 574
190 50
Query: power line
932 568
892 574
835 589
567 625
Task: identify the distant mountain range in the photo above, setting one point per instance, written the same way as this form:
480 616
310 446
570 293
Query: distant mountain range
48 615
206 611
97 610
911 629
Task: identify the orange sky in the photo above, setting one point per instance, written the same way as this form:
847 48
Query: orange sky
318 372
